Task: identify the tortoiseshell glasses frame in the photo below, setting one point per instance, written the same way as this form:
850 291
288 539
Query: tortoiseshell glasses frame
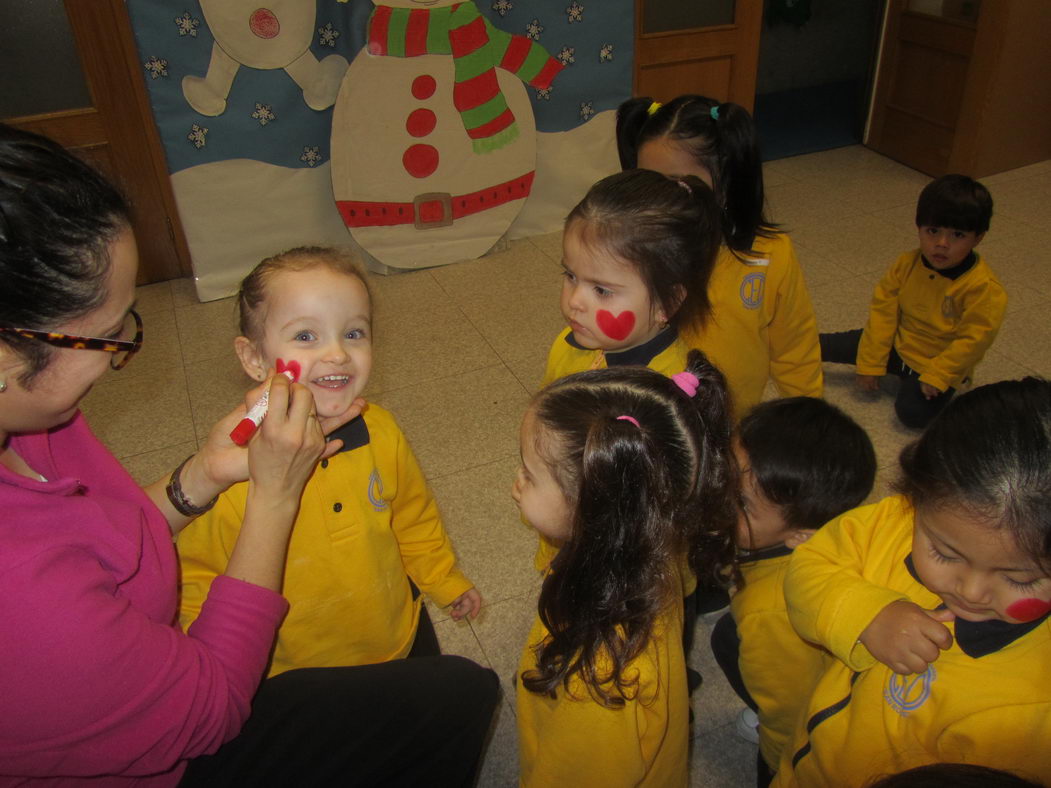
127 347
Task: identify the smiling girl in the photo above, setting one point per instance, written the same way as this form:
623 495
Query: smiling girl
936 604
368 536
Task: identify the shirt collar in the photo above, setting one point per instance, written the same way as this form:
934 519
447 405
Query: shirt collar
957 270
638 356
979 638
763 553
355 434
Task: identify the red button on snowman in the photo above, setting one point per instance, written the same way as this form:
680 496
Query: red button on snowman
433 137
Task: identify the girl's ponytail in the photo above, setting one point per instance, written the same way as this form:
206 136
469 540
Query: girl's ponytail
710 541
740 176
632 115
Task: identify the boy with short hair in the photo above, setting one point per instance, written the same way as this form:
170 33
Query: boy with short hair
935 312
803 462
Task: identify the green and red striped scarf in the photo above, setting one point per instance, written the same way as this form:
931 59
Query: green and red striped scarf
478 49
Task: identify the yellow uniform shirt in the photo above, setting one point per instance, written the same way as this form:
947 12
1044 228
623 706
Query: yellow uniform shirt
986 700
941 327
572 740
762 325
367 523
778 667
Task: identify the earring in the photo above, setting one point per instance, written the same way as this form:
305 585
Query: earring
3 385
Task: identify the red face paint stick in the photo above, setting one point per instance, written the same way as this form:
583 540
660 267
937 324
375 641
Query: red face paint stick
247 426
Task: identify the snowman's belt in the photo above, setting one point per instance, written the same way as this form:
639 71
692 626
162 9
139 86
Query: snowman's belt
432 209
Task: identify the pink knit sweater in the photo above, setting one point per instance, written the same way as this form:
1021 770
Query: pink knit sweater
96 678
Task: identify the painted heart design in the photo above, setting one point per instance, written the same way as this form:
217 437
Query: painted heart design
291 366
615 326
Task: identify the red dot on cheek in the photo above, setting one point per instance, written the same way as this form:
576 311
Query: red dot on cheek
1028 609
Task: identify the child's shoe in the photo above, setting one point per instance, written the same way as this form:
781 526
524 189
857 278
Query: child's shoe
748 725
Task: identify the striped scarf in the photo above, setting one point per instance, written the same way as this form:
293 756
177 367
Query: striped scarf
478 49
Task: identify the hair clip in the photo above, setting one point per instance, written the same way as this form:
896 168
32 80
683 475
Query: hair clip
714 112
632 419
653 107
684 185
687 381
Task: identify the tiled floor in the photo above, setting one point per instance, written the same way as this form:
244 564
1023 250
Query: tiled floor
460 350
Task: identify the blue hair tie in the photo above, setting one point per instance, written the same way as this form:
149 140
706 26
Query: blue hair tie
714 112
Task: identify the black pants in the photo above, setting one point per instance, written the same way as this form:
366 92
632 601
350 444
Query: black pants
726 647
913 408
408 722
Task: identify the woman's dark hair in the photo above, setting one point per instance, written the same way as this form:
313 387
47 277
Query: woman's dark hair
58 217
252 295
667 229
989 454
644 498
809 458
953 775
722 139
955 201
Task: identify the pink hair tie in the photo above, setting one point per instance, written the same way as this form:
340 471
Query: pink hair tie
632 419
687 381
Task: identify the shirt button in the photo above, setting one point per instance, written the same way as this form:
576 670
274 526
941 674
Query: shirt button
337 507
324 463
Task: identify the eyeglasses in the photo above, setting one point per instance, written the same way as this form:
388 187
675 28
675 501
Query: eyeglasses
122 349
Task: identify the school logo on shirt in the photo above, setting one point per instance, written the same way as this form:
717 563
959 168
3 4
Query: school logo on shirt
905 694
949 309
752 287
376 492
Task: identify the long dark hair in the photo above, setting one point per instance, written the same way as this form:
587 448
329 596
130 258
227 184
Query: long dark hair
989 454
643 498
667 229
58 217
722 138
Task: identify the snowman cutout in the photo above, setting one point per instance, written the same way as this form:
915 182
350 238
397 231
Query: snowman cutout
277 36
433 137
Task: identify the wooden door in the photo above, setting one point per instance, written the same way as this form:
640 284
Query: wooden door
707 48
117 134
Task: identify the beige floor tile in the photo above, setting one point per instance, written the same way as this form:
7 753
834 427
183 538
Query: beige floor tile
1023 339
158 464
861 244
184 293
161 352
216 386
720 759
207 330
843 305
996 366
139 415
550 245
460 422
817 268
500 760
153 298
714 703
503 632
494 546
456 637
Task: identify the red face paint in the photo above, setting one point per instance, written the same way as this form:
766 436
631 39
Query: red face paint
290 366
1028 609
615 326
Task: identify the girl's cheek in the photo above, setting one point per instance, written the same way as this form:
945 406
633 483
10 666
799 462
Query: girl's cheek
1028 609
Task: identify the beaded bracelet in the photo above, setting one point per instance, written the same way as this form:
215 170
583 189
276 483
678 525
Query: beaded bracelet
178 498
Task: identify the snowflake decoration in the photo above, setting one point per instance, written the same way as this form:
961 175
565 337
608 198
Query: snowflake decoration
543 93
565 56
502 7
156 66
575 12
586 110
605 54
263 113
197 135
328 35
534 29
311 155
187 25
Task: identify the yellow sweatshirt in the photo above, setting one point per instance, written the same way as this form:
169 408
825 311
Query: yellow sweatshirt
986 700
367 523
778 667
941 327
572 740
762 324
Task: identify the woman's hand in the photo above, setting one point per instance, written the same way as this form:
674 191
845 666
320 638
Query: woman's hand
906 638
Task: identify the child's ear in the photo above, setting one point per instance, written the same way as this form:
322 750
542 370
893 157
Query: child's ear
678 296
251 360
798 536
978 238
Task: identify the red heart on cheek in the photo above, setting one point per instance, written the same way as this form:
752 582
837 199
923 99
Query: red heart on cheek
292 366
615 326
1028 609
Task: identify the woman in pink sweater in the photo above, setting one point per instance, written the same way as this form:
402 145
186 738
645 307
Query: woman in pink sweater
97 681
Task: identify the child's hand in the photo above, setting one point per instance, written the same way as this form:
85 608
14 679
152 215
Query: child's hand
906 638
929 391
867 382
467 604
